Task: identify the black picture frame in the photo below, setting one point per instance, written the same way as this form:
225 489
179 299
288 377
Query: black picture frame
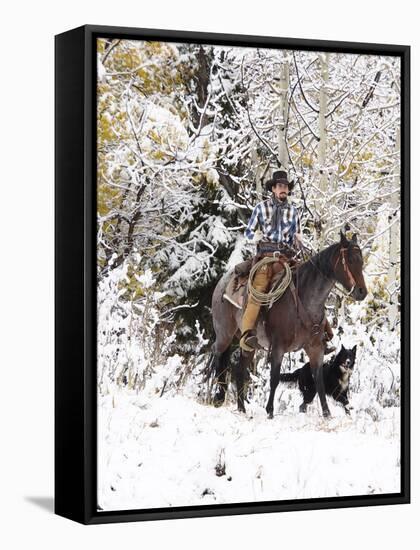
75 275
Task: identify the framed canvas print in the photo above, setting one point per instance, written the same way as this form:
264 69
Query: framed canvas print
232 274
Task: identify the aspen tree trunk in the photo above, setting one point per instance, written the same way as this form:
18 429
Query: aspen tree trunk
281 115
394 240
322 145
257 169
255 159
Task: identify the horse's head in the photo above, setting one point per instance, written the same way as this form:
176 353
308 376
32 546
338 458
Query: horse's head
348 267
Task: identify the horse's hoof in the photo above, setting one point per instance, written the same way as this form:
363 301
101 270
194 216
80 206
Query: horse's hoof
326 413
270 415
269 411
241 409
218 400
302 409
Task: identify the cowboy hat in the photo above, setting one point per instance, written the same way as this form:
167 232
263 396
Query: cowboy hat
279 177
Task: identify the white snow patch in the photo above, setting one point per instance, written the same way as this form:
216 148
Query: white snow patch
165 452
146 280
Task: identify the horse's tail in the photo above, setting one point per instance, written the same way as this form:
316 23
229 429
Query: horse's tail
209 366
290 376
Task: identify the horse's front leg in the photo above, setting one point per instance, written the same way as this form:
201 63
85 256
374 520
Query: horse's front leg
316 358
276 360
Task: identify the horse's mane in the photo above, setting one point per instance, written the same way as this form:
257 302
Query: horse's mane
320 262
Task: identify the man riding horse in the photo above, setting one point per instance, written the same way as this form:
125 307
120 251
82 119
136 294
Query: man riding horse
296 320
279 221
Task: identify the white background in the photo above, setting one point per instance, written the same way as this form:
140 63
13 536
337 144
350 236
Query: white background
26 274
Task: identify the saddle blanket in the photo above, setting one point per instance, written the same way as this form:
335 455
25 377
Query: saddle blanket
235 291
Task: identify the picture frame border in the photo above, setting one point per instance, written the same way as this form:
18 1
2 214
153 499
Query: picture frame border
75 274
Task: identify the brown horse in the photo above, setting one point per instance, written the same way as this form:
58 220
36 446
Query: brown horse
294 322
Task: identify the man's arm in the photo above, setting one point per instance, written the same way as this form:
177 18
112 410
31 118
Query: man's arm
252 224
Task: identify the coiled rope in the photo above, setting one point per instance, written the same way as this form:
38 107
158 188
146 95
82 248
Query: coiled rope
268 298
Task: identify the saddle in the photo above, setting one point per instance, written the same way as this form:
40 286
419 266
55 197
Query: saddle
236 289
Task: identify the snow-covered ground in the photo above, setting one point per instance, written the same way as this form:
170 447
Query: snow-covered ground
161 445
173 451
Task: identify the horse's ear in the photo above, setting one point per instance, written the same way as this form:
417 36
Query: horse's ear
354 238
343 239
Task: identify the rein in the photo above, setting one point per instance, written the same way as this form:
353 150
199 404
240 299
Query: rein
346 268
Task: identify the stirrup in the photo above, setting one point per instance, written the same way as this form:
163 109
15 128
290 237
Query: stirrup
249 341
328 350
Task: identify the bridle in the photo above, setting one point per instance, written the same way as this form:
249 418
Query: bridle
301 311
347 271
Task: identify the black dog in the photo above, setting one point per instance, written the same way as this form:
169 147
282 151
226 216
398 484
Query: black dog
337 374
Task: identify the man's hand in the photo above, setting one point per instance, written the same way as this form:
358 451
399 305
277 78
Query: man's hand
258 236
298 239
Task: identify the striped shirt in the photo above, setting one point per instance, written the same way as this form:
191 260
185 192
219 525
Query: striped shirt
261 217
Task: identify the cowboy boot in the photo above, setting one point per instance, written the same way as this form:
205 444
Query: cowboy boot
328 350
249 341
328 335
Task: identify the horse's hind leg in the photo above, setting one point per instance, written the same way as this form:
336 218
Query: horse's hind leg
225 326
221 365
241 373
276 360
